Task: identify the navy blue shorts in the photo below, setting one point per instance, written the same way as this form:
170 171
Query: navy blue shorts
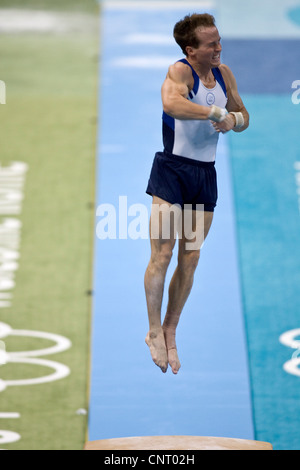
180 180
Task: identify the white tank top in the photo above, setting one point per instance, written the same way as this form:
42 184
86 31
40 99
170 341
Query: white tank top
196 139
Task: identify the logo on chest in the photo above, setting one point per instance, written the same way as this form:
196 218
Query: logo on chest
210 98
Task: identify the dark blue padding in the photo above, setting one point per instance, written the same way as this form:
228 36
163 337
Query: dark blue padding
259 72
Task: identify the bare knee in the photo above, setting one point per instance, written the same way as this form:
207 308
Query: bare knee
188 261
161 257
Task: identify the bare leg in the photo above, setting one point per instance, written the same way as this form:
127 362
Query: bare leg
179 290
161 254
181 285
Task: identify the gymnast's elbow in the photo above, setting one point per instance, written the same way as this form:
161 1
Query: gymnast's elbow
169 107
246 122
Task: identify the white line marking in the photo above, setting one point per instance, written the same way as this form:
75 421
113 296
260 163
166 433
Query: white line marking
9 415
25 357
7 437
152 5
5 295
288 338
17 20
62 343
292 367
5 304
144 62
5 330
60 372
149 39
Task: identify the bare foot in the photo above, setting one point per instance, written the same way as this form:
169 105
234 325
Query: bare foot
156 341
173 358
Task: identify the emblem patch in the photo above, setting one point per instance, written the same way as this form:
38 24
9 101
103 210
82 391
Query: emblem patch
210 98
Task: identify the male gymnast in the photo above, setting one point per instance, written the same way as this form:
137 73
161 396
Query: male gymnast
200 99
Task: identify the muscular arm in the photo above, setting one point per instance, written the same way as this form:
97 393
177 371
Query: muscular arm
175 90
234 103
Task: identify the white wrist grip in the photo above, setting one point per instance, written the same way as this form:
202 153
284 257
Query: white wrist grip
239 120
217 114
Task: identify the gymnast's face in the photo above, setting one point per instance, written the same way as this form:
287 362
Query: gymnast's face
208 53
